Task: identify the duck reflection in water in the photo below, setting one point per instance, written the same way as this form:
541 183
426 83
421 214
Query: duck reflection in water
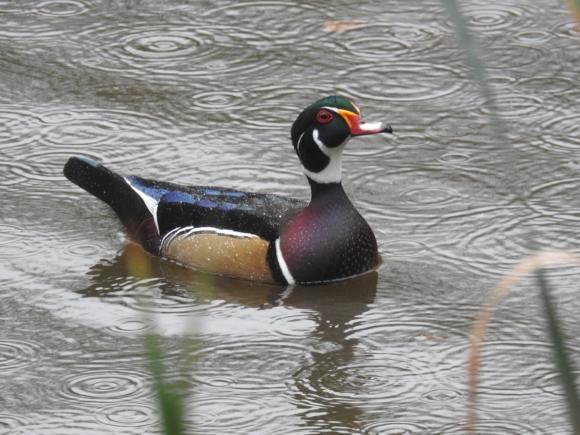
332 308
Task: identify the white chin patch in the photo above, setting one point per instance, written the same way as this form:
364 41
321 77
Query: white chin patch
333 171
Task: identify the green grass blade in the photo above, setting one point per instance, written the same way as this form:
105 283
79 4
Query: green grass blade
169 393
561 357
575 8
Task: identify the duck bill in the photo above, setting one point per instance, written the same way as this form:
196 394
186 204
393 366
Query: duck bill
360 127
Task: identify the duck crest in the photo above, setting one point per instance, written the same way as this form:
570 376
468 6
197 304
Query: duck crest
247 235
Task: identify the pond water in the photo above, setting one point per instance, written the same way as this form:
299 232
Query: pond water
204 92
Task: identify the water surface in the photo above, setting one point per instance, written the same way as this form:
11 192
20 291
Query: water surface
204 93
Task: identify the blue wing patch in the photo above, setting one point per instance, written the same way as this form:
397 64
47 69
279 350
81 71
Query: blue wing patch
178 196
150 190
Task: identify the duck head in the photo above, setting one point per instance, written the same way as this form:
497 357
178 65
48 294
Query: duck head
321 132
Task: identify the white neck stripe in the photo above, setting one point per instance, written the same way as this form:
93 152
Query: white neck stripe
332 173
299 140
282 263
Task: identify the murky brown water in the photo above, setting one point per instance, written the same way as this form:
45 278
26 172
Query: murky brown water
203 92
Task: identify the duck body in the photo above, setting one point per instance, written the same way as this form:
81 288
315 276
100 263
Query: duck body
247 235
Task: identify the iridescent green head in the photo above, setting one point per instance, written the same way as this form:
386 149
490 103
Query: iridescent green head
321 131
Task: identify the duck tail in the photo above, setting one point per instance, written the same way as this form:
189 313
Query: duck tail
115 191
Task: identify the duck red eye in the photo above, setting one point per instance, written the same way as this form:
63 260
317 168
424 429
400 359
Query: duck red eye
324 116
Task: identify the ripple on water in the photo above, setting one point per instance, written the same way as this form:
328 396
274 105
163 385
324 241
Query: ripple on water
402 248
380 40
394 428
89 126
11 423
441 395
378 187
556 199
562 131
493 426
497 18
16 354
247 414
405 81
248 366
430 196
19 127
500 81
533 36
268 18
455 158
568 29
130 326
514 106
365 384
103 386
94 134
60 8
84 249
128 415
490 246
175 50
217 101
549 85
21 242
517 56
63 132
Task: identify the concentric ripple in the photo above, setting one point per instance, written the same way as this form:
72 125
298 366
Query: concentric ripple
130 326
17 354
429 196
489 426
161 46
441 395
21 242
517 56
516 106
128 415
248 366
61 8
380 40
174 50
19 127
84 249
102 386
549 84
405 81
402 248
395 428
216 101
88 127
568 29
97 133
264 16
365 383
253 413
454 158
426 197
64 132
562 131
557 199
11 423
533 36
496 18
491 246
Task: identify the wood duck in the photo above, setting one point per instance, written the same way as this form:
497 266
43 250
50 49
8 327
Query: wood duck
253 236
